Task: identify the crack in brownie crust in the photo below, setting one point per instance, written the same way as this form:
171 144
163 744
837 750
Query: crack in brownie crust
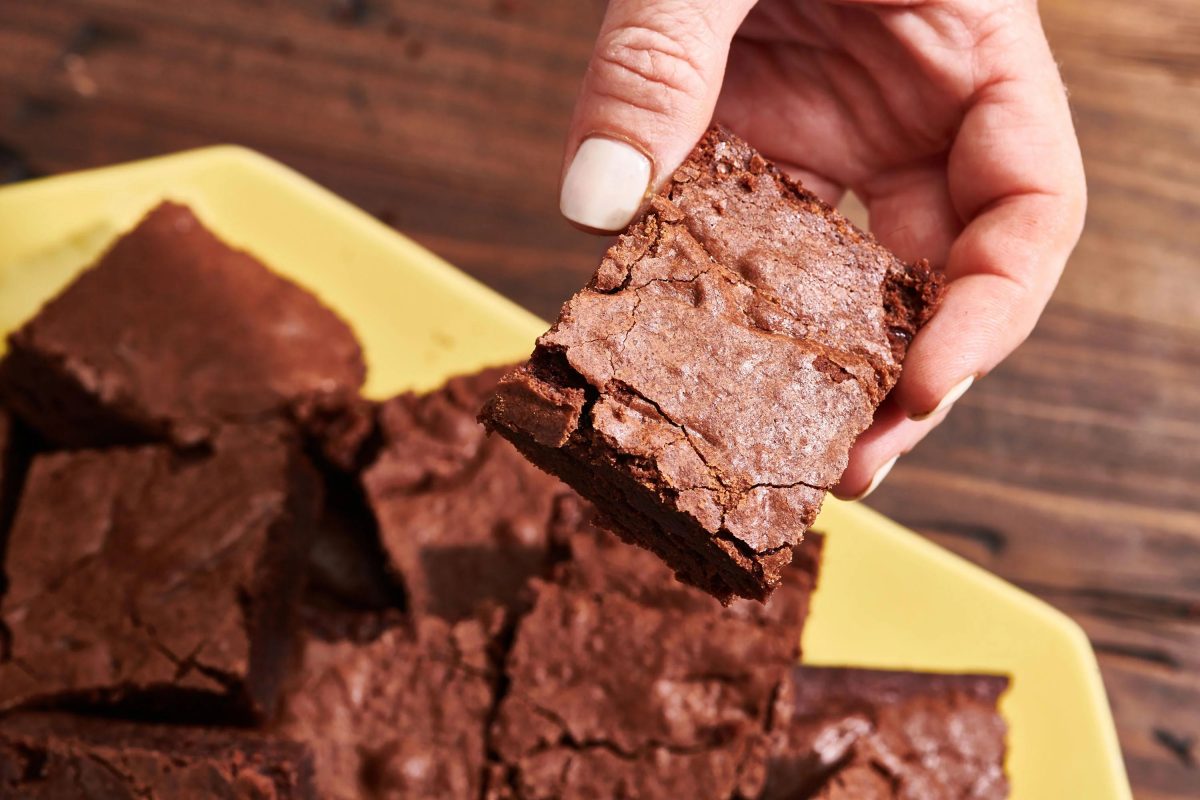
705 388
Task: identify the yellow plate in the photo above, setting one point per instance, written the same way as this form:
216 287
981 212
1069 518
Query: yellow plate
888 598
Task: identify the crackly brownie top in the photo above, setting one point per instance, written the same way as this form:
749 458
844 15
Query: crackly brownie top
731 346
404 715
173 331
464 517
861 734
816 276
64 757
130 568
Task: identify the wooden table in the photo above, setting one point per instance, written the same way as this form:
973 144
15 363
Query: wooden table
1073 470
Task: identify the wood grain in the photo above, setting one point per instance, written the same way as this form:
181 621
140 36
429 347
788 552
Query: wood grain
444 119
1073 470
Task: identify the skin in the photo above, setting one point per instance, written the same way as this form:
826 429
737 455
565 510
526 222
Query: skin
947 118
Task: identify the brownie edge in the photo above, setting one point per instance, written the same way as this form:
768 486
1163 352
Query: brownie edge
59 756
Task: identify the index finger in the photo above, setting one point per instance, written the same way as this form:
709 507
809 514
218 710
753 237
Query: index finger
1016 177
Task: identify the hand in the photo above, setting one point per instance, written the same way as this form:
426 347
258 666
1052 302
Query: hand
946 117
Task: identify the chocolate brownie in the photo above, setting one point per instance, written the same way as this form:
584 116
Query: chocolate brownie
402 716
63 757
869 734
464 518
146 578
625 683
704 389
171 333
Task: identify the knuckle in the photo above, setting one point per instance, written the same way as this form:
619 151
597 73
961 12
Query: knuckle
647 67
1062 212
1077 203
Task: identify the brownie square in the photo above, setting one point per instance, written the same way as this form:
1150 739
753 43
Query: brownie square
170 334
146 578
705 388
870 734
404 715
622 682
64 757
465 519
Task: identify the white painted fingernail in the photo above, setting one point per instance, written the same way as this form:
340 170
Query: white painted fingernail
877 478
951 397
605 184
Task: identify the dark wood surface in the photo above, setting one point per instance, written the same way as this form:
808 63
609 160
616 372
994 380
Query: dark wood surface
1073 470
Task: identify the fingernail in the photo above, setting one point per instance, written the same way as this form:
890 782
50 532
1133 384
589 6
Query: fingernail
951 397
877 479
605 184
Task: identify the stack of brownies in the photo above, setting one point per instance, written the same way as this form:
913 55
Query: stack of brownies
227 574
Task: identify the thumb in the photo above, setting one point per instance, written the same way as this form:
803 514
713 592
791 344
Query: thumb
648 95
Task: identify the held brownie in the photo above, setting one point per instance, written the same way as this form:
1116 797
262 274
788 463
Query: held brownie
159 581
404 715
625 683
169 334
464 518
857 734
705 387
64 757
